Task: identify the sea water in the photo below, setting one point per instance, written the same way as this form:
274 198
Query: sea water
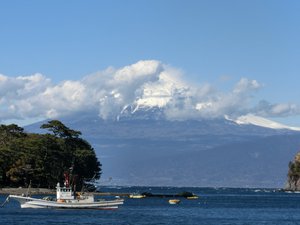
231 206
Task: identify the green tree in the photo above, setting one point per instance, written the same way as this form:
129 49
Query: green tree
60 130
42 159
11 142
77 152
86 164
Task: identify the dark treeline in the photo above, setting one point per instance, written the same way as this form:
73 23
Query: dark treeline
42 159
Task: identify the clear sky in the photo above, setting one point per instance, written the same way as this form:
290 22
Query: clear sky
214 41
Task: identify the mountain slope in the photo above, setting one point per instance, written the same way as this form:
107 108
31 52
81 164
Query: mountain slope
260 121
215 152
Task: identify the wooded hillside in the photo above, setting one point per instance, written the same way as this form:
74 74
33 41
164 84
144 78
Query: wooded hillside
42 159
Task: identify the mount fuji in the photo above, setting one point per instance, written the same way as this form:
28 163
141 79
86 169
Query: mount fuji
150 127
141 147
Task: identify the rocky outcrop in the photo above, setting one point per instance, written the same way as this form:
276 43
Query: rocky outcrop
293 181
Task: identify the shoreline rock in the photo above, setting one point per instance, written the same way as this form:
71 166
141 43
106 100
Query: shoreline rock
293 179
20 191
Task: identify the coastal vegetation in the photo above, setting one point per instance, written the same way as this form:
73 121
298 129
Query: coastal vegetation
44 159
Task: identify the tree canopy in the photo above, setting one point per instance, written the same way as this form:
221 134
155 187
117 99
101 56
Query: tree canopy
42 159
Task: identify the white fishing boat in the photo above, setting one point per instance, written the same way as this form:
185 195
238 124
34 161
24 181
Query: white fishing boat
66 198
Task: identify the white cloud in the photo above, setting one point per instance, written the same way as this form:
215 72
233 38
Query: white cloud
143 84
245 85
267 109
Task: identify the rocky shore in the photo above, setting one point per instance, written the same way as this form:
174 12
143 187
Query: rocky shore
293 180
45 191
20 191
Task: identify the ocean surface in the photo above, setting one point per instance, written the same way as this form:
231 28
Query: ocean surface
231 206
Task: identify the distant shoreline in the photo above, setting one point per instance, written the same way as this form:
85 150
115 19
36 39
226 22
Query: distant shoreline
45 191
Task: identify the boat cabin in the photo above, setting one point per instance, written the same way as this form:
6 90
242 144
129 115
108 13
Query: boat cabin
64 193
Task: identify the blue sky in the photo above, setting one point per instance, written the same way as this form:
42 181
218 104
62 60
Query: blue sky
216 42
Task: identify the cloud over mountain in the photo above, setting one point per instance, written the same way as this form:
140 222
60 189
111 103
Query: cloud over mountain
143 84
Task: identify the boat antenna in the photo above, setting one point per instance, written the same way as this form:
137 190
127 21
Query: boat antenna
28 189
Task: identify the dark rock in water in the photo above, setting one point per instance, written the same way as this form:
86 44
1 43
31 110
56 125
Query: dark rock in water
293 181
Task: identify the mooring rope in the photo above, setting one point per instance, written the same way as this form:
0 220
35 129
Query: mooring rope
6 201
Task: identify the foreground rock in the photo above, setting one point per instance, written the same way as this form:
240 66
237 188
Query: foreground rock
293 181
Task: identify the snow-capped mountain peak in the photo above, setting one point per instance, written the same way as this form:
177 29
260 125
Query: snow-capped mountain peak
262 122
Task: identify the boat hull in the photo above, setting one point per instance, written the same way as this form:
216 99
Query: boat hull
28 202
174 201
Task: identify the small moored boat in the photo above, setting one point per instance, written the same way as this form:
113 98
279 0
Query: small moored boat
174 201
192 197
137 195
66 198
